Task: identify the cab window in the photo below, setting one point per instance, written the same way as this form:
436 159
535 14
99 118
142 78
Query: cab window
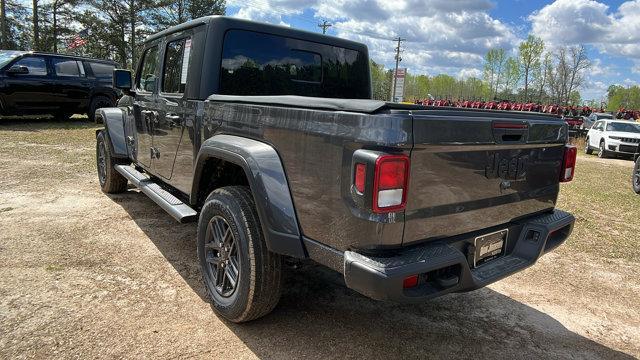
264 64
176 63
37 65
146 79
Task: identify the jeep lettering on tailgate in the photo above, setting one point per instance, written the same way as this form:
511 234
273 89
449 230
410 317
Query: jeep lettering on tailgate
506 168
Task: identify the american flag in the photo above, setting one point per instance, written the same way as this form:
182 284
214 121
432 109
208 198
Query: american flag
78 40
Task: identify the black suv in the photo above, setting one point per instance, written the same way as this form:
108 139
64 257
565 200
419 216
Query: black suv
60 85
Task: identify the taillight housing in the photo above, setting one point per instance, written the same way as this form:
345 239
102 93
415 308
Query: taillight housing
390 181
568 163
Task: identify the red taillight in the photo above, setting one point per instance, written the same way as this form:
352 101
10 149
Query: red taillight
410 281
391 176
569 163
360 178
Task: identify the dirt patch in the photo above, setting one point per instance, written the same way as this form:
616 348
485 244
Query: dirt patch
87 275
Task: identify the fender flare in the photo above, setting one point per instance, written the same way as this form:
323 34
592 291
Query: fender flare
269 186
113 119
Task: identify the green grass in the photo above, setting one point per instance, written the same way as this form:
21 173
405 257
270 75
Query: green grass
45 149
606 208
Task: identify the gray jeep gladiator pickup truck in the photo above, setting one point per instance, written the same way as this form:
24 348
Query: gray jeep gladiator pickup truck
268 137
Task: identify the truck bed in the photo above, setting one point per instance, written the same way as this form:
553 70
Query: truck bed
470 169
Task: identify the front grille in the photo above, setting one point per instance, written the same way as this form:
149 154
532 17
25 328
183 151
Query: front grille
628 149
630 140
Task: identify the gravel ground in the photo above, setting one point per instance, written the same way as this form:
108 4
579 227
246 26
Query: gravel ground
85 275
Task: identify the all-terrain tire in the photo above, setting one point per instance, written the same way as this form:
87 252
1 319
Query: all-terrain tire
259 279
587 149
111 181
636 176
97 102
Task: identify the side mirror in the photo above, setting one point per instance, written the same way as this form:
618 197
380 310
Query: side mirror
18 70
122 80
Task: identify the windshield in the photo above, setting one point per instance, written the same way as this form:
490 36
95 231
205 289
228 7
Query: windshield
623 127
7 56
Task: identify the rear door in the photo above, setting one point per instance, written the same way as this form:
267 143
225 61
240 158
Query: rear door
171 103
145 106
471 170
72 87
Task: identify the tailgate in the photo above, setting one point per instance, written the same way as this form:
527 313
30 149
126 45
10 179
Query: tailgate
471 170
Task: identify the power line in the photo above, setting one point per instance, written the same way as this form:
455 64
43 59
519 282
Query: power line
325 25
398 59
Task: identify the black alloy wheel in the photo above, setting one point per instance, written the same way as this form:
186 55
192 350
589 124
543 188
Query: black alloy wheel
222 256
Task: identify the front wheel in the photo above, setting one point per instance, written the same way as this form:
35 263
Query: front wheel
242 277
111 181
602 152
636 176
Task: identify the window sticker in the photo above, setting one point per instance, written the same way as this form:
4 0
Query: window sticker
185 61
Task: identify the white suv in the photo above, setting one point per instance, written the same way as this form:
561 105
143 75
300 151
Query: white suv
613 137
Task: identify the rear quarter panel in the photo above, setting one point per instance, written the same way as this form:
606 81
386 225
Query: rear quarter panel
316 148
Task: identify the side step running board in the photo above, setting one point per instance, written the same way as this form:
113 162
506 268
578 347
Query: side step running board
171 204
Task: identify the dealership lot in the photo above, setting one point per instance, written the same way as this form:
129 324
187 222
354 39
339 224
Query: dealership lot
83 274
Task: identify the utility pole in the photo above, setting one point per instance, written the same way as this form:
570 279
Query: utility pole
395 72
325 25
36 27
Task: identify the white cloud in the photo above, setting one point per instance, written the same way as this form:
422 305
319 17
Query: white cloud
598 68
590 22
441 36
594 90
469 73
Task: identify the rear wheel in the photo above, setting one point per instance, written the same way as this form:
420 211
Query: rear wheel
111 181
636 176
587 148
96 103
242 277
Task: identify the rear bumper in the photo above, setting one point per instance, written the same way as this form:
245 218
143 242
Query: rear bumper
445 266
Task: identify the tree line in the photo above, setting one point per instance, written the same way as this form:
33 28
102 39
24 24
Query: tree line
113 28
621 97
532 74
537 74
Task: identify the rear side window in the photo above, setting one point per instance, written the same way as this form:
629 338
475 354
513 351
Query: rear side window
264 64
37 66
101 70
67 67
146 79
176 63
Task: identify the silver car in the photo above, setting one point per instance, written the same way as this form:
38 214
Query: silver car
588 121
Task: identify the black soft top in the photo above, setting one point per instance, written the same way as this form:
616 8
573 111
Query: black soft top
368 106
331 104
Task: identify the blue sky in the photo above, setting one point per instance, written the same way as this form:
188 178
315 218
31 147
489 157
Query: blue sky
451 36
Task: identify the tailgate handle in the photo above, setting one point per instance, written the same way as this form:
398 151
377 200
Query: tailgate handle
510 132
